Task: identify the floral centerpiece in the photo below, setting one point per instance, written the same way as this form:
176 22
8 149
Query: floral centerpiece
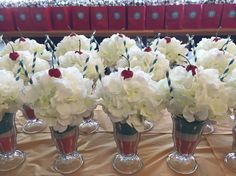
147 60
26 44
193 96
126 95
85 61
172 48
74 42
111 49
60 97
217 42
10 158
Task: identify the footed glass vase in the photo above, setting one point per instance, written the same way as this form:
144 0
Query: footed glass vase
10 158
88 125
230 158
186 135
32 124
127 138
69 159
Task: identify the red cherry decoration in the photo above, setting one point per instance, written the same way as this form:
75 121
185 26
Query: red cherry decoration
22 39
191 68
13 55
54 72
127 74
168 39
147 49
216 39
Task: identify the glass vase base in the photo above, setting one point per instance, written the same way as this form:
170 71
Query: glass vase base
127 164
34 126
208 129
148 125
66 164
11 161
183 164
88 126
230 161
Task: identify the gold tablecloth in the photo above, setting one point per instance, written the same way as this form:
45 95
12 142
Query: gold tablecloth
98 150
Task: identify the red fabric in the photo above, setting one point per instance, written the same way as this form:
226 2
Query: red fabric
174 16
6 17
229 16
192 16
23 18
99 18
80 17
60 17
155 17
117 17
136 17
41 18
211 15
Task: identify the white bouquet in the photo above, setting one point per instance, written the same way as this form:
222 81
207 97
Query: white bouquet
215 58
7 63
84 61
74 42
9 92
195 94
111 49
172 48
24 44
61 97
130 93
216 42
147 60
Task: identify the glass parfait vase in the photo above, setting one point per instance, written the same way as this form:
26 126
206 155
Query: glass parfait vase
88 125
32 124
10 158
69 159
127 138
230 158
186 135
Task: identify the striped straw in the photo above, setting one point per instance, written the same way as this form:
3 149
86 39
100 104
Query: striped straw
99 74
25 71
158 40
85 66
34 62
18 72
225 46
48 40
169 83
222 77
151 67
92 39
127 57
191 43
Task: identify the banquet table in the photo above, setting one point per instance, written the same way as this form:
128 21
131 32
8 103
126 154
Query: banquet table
98 150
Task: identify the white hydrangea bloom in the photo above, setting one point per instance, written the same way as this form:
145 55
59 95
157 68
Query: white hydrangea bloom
123 98
199 97
209 43
171 49
72 43
27 58
30 45
72 58
111 49
214 58
9 92
60 101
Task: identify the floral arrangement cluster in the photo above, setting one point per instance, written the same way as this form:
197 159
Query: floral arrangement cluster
127 78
